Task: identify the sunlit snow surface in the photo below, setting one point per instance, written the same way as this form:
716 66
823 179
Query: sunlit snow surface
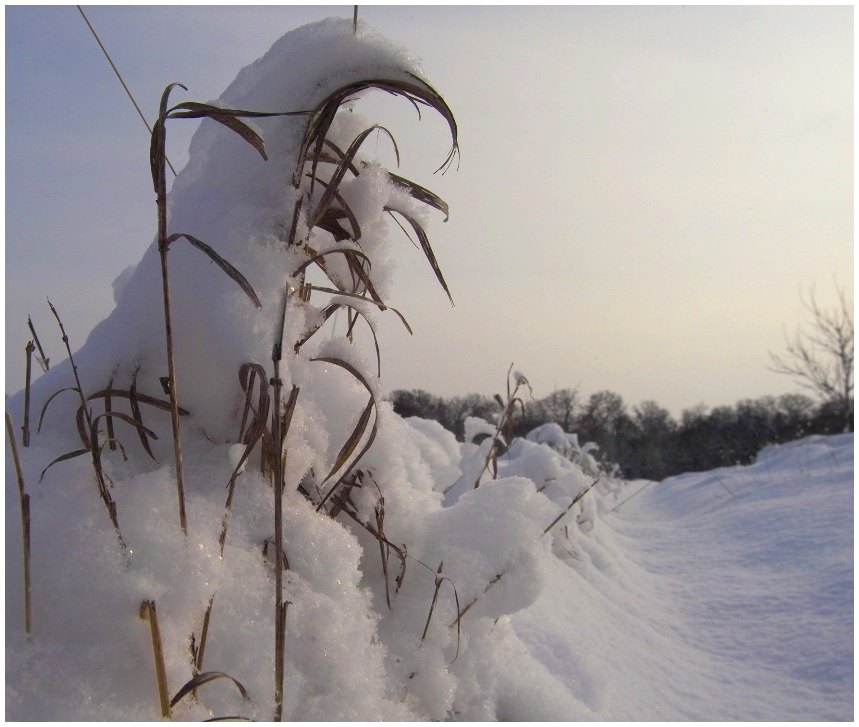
693 603
686 602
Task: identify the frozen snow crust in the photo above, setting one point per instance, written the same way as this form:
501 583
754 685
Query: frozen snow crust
594 619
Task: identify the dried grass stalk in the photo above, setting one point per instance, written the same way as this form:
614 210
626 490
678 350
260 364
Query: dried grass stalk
88 436
498 577
403 554
25 521
438 581
147 611
108 407
43 360
278 437
157 160
27 376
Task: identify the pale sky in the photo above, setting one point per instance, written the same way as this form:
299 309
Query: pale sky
642 195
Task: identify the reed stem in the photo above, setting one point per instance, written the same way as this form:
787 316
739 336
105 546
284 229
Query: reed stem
25 522
163 247
27 377
147 610
93 445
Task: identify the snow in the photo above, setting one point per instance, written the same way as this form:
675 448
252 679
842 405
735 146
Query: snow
683 603
703 605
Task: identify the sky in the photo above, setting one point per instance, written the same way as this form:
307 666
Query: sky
642 196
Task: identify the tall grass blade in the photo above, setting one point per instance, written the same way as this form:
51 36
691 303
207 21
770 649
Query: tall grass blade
135 413
107 407
125 418
362 423
320 256
204 633
340 172
63 458
80 421
355 437
426 247
141 399
323 289
421 194
236 276
50 399
199 110
415 90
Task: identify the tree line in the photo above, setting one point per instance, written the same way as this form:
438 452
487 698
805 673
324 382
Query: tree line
647 442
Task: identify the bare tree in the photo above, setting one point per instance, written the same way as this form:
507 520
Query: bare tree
820 357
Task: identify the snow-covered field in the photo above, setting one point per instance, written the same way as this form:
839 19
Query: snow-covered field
690 602
726 595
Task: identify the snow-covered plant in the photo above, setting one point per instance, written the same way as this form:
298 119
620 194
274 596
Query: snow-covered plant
505 422
332 560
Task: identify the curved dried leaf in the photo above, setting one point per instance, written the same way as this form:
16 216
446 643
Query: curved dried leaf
322 289
286 417
349 447
421 194
233 718
322 255
358 271
415 190
320 321
114 442
157 153
340 172
107 407
351 443
248 374
135 413
141 398
416 91
426 247
253 433
124 418
372 328
405 231
339 154
227 117
200 679
330 222
196 110
357 375
63 458
50 399
80 420
329 219
237 277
